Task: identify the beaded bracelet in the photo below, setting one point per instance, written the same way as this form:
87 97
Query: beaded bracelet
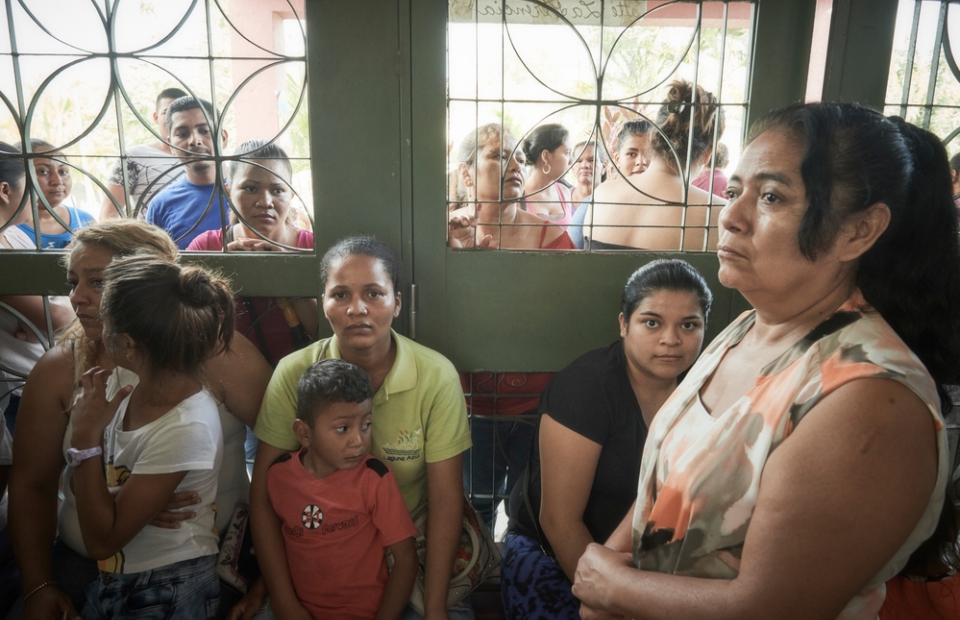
38 588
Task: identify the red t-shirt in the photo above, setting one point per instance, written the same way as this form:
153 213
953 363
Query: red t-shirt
335 530
922 600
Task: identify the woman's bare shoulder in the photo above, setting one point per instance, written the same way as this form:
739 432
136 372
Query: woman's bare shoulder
697 196
52 379
638 190
56 362
235 362
609 190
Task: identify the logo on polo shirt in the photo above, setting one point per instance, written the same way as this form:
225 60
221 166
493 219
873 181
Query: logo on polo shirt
312 517
405 448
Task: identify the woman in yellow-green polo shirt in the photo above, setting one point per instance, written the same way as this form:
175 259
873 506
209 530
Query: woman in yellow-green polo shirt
420 424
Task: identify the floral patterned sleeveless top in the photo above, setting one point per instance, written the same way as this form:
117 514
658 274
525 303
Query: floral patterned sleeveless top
700 474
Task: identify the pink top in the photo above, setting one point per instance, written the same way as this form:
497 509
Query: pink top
564 193
719 182
212 240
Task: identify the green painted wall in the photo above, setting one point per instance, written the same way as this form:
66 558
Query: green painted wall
377 85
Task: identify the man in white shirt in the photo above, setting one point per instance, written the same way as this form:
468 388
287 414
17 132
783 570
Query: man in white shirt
148 167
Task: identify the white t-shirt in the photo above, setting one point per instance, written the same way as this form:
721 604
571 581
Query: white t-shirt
145 165
186 438
18 239
232 484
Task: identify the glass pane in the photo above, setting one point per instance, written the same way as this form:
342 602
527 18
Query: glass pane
924 81
106 119
196 122
539 93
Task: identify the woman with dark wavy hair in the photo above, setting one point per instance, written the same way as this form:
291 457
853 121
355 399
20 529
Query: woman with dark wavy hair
803 461
547 153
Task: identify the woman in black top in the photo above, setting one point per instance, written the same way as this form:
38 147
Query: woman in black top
582 476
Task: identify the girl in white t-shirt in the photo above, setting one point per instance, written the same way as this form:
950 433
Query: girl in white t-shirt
161 322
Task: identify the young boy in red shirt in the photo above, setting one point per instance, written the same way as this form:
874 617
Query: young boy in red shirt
340 507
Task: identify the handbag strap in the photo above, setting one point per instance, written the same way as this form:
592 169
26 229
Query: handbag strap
534 517
258 330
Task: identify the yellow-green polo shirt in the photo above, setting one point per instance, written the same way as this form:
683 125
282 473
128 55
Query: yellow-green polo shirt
419 413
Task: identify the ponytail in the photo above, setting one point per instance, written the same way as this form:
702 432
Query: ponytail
671 137
912 274
853 159
201 290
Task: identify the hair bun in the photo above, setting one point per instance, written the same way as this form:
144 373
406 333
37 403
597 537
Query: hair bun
674 120
679 94
196 287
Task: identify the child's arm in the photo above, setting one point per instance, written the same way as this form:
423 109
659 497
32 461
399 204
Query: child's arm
399 584
268 539
108 523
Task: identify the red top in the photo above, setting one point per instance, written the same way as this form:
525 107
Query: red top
922 600
563 242
335 530
719 182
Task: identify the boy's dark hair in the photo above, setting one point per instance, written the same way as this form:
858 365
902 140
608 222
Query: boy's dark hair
169 93
185 104
330 381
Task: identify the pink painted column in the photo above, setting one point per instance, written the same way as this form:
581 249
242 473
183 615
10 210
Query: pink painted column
255 108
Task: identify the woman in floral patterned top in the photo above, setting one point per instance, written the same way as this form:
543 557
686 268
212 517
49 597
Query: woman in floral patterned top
803 459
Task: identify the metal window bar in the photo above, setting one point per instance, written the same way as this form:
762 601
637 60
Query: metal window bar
501 444
933 108
210 10
561 101
26 113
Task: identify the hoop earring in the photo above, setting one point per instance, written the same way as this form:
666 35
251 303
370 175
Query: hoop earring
546 169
